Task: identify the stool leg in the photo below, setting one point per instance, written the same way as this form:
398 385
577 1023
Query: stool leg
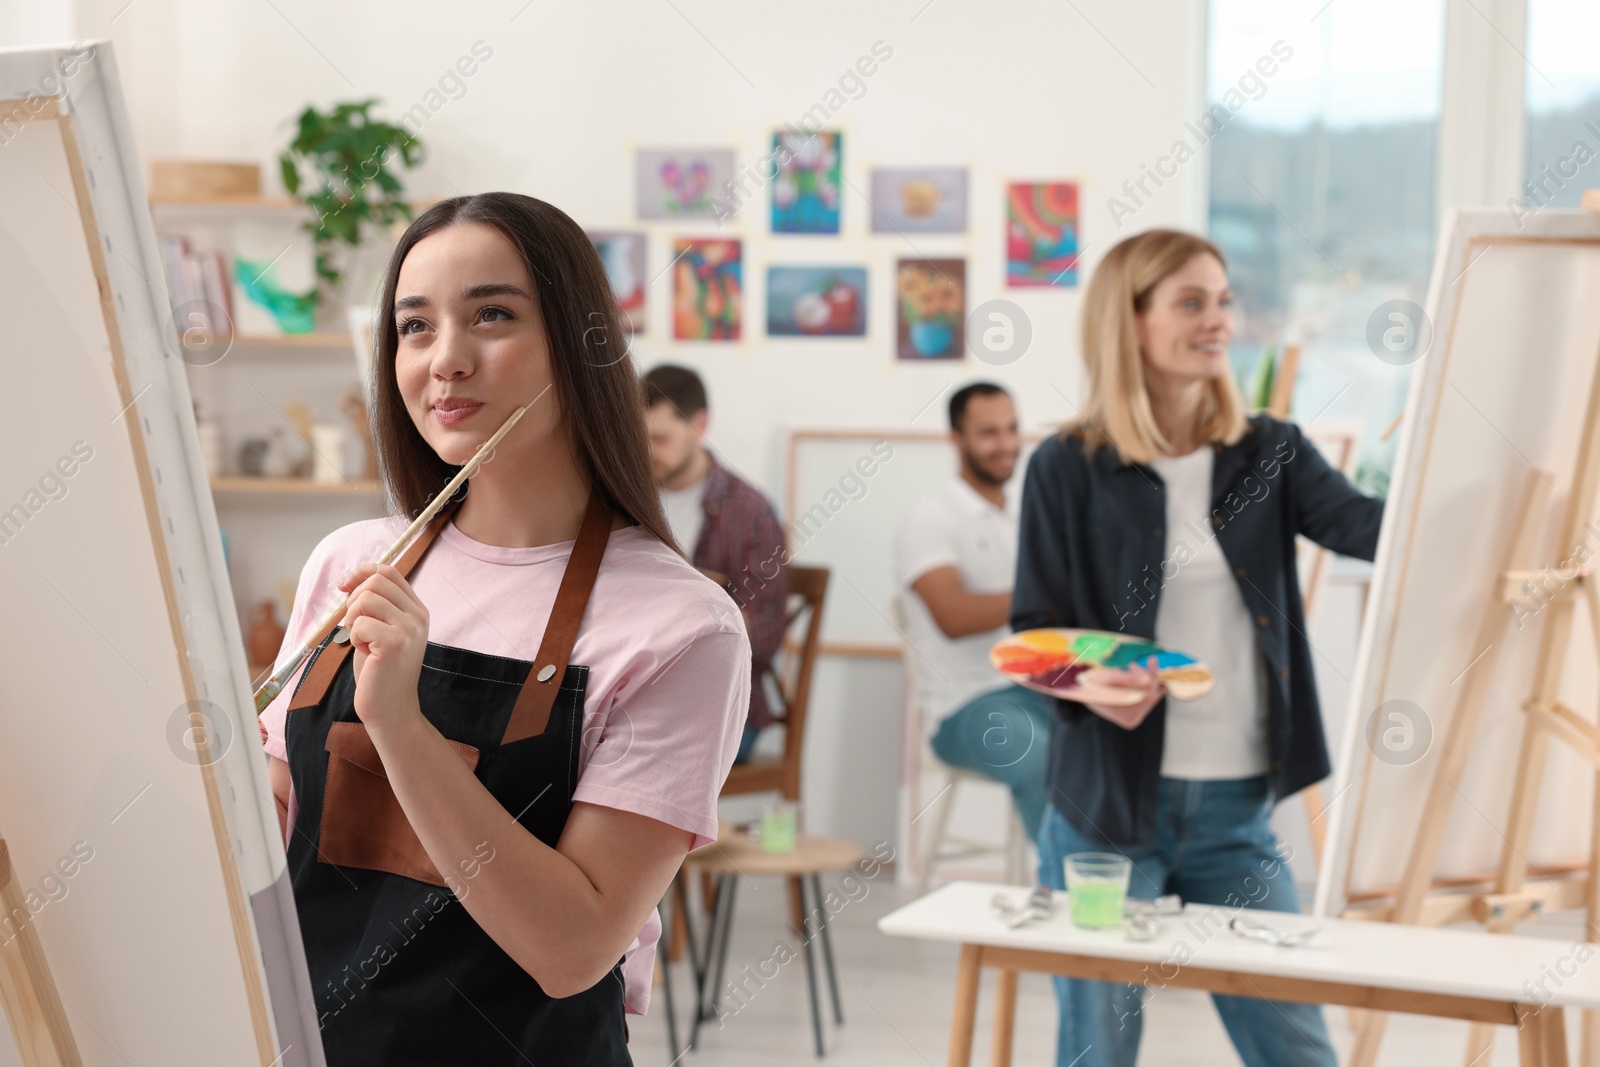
665 960
823 922
1017 850
685 914
941 825
811 980
726 885
704 1007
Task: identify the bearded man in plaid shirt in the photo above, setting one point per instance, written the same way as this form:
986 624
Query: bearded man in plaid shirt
722 522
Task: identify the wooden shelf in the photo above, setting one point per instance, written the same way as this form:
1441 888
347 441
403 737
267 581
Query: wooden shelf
247 203
282 340
284 486
258 203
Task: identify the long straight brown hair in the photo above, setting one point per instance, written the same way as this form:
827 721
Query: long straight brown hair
595 382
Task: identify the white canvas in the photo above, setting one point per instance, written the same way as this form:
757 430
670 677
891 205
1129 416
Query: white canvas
1501 391
174 940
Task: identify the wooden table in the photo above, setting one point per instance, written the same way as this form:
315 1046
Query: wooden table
1455 974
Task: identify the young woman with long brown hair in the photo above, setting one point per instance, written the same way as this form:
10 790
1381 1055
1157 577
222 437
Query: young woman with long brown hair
491 772
1168 513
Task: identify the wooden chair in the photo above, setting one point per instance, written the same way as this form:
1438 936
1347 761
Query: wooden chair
808 587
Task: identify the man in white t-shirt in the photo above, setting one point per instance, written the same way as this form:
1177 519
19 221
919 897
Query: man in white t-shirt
955 561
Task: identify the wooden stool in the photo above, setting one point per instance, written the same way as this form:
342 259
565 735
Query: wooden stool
943 846
735 856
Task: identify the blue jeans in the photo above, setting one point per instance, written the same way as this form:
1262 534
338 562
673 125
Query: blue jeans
1213 846
1004 735
747 745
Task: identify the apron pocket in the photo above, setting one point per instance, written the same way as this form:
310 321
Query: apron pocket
363 824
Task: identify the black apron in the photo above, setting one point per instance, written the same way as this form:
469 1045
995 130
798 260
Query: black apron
400 972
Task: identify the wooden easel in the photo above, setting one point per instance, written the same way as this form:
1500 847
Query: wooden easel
1283 382
1510 899
32 1005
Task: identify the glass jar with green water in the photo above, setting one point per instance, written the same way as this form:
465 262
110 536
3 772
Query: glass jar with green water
1097 885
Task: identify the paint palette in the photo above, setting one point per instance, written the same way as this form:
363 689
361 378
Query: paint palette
1074 665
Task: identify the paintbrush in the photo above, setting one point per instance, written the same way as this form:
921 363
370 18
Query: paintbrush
280 677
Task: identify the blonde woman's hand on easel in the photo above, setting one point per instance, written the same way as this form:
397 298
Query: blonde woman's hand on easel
388 634
1145 680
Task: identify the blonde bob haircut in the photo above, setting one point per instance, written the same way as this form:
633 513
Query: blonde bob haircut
1119 413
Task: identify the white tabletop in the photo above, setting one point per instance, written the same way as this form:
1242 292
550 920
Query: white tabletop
1465 963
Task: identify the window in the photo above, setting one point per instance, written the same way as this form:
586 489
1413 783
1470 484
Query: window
1563 101
1322 191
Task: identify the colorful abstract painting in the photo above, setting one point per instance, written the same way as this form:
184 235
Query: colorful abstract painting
707 286
919 200
931 308
806 190
623 253
684 183
816 301
1042 234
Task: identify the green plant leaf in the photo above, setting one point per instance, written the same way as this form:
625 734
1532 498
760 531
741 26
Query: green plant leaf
341 165
291 176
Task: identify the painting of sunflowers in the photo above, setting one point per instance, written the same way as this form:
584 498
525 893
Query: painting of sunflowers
931 308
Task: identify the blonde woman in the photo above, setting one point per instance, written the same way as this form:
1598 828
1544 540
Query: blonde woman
1169 513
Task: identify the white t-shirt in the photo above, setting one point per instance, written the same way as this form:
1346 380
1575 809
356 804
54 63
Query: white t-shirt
1224 733
953 527
685 510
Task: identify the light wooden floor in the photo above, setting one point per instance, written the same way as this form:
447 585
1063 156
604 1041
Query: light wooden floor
897 993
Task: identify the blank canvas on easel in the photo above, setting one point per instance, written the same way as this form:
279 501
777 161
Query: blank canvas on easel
1501 393
173 939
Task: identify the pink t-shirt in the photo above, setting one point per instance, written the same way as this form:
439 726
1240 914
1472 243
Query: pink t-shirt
666 648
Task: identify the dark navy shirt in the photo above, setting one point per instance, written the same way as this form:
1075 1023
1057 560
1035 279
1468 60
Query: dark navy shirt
1091 554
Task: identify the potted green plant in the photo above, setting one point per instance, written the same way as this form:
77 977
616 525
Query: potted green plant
341 165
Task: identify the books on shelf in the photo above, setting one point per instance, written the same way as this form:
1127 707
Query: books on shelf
200 287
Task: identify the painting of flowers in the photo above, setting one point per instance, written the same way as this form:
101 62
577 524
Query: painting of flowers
919 200
706 290
1042 234
805 193
683 183
931 302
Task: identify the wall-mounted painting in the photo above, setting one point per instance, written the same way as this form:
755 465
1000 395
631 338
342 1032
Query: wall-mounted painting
623 253
684 183
806 191
816 301
931 303
707 284
919 200
1042 234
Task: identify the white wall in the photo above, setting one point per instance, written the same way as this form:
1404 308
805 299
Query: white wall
1011 89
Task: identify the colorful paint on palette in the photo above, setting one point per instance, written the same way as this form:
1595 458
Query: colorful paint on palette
707 290
1042 234
1074 664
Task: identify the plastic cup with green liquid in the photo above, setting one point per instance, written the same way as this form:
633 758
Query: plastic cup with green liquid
1097 885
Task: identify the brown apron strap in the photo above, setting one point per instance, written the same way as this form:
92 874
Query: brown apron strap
538 694
316 683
